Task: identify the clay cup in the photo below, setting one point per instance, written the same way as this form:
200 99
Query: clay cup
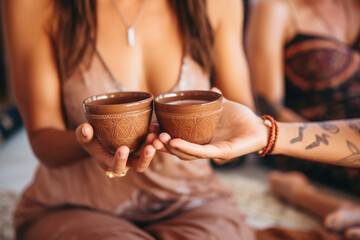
189 115
119 118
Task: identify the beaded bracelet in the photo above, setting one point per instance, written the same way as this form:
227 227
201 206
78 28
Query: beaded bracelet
273 135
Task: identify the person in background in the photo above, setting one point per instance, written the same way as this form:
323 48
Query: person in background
240 131
309 56
63 51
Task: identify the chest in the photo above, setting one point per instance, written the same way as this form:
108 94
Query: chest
154 62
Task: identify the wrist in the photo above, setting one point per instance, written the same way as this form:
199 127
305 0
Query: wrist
279 147
272 137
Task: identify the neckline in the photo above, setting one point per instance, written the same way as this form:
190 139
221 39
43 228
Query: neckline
122 87
324 37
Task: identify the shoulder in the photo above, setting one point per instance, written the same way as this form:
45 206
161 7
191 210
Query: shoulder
220 11
27 15
271 19
278 9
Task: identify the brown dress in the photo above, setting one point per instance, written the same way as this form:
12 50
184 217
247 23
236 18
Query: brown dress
172 199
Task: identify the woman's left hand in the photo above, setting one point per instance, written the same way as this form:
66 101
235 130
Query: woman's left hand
117 165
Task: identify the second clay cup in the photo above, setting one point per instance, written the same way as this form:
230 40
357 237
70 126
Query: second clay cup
189 115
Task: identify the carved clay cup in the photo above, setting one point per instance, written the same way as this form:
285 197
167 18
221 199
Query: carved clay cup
189 115
119 118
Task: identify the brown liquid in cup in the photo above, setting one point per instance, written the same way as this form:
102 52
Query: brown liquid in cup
188 102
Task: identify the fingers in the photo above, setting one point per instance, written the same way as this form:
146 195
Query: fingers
162 144
154 127
161 141
219 161
120 159
196 150
147 154
214 89
84 133
353 233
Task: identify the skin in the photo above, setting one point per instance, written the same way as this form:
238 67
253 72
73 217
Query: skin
37 88
265 43
265 46
241 132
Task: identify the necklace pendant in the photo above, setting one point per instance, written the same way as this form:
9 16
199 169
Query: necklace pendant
131 36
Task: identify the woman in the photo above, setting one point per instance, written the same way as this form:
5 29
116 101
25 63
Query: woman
241 132
64 51
309 53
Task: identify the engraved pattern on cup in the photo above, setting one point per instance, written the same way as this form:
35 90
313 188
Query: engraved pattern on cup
197 127
115 130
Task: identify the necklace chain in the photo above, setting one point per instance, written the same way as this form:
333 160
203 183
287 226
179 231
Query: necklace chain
130 32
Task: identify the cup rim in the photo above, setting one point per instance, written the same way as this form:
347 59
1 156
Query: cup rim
162 101
91 107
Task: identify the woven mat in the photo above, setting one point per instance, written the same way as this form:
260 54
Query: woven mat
261 208
8 201
252 197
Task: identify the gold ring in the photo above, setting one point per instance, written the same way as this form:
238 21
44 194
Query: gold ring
112 174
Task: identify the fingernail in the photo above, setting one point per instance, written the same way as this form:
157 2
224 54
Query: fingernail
149 153
83 131
122 155
165 136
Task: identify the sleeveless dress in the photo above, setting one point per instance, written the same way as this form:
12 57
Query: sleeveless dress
168 188
322 82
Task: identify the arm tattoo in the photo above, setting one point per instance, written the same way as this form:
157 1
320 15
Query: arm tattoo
300 137
353 157
318 139
329 127
354 127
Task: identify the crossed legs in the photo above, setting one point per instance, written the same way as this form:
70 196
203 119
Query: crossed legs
337 214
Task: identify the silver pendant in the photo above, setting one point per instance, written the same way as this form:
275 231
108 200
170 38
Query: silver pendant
131 36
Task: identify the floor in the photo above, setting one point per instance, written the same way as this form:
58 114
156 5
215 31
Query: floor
248 183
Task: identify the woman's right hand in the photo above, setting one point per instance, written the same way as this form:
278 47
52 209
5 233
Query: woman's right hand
117 164
238 132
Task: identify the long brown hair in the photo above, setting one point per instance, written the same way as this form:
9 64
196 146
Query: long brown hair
75 31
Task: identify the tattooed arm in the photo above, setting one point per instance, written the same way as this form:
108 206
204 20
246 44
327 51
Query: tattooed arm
335 142
240 132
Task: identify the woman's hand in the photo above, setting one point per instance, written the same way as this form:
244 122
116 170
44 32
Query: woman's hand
117 164
238 132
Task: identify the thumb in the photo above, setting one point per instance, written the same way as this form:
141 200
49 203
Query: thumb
84 133
214 89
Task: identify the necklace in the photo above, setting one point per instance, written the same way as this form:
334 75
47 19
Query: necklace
330 28
130 32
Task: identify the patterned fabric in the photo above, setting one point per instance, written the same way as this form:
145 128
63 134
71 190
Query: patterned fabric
322 78
322 82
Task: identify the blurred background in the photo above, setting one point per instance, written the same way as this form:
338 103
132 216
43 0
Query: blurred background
247 181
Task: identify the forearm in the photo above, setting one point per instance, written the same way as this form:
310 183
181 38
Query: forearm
334 142
288 115
278 110
56 148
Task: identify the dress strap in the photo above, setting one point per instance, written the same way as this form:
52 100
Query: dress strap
107 69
